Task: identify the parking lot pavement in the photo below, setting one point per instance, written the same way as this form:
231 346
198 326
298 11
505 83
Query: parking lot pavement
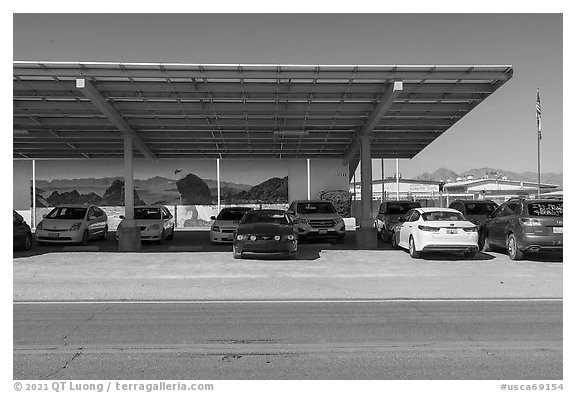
190 268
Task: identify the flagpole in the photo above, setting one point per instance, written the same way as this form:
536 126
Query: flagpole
539 133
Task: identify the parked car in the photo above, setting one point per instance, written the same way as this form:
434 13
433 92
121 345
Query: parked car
72 224
22 233
155 221
523 226
475 211
435 229
317 219
265 232
388 214
226 223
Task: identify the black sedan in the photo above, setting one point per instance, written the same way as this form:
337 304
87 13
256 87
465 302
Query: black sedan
265 232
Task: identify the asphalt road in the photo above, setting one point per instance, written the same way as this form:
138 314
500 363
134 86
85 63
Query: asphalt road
385 340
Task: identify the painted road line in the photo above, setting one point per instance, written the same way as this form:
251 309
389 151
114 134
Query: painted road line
465 300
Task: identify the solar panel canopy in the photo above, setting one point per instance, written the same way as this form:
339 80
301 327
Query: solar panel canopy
236 111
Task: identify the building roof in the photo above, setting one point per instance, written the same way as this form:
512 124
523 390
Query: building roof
477 182
83 109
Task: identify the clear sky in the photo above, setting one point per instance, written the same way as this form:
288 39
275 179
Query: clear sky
499 133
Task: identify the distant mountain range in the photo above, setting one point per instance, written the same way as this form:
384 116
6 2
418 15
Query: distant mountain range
444 174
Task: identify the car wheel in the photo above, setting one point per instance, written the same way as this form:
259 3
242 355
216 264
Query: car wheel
104 235
412 248
394 241
84 241
513 251
236 254
27 245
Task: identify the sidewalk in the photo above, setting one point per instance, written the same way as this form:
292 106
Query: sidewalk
317 274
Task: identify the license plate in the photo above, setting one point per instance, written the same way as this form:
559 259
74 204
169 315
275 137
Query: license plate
558 229
451 231
322 232
52 234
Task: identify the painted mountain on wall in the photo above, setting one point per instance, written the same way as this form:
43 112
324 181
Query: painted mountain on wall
189 190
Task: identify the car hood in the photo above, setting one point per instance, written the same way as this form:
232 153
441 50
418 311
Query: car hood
144 223
318 216
58 224
265 229
392 217
226 223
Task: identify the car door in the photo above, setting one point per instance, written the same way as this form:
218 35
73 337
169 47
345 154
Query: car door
91 222
499 223
166 219
379 222
406 228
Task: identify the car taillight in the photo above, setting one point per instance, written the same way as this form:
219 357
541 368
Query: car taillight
530 222
471 229
428 229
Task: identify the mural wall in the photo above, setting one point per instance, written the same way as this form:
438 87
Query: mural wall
188 188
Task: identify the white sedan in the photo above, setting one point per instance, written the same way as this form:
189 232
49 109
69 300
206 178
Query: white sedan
156 223
435 229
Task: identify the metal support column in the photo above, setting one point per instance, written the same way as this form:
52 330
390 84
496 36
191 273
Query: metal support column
365 234
128 233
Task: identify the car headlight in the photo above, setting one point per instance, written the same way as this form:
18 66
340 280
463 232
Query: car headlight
290 237
301 221
154 227
216 229
277 237
75 227
339 220
241 237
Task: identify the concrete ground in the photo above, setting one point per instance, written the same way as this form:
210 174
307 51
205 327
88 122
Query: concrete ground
190 268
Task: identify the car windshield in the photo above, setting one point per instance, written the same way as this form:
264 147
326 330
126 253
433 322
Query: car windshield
480 208
272 217
553 209
400 208
231 214
309 208
147 213
67 213
443 216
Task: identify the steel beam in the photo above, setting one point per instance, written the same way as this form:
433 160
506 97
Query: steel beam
115 118
385 103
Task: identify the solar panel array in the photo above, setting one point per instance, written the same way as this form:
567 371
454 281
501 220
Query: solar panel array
235 111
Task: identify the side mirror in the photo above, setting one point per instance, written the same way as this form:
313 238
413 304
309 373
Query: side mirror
121 217
212 217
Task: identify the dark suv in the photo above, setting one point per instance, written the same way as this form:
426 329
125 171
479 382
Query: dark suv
524 225
388 215
477 212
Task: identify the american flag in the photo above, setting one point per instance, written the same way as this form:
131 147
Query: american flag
538 113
